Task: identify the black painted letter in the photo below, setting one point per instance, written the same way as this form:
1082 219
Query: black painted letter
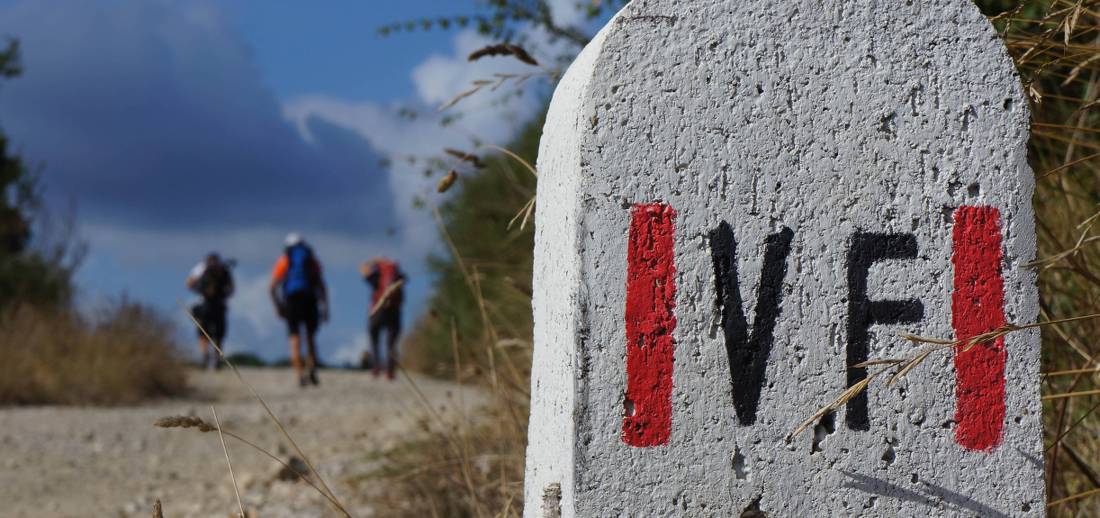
866 249
748 355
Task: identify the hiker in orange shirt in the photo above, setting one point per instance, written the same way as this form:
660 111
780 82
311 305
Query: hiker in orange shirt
298 291
387 282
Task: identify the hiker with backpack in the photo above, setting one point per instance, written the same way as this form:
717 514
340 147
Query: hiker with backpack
298 291
387 282
213 281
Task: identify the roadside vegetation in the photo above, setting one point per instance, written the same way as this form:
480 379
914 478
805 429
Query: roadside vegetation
477 332
52 354
1056 46
122 356
483 287
478 328
479 321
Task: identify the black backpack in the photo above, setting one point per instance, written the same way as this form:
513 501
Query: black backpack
216 284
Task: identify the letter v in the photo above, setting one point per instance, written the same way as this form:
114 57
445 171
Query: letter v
748 355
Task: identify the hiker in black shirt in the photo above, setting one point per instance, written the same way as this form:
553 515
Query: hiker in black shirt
212 280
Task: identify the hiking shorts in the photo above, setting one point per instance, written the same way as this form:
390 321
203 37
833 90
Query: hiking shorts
301 309
211 316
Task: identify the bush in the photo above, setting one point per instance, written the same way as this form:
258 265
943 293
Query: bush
484 294
479 330
34 280
462 470
123 356
246 359
30 273
1055 50
1054 47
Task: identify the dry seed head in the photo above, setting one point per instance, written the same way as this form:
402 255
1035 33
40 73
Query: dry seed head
504 49
465 157
183 421
447 181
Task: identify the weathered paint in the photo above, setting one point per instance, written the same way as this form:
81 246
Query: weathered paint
650 322
844 122
977 306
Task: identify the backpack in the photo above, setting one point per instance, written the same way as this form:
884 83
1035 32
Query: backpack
216 284
301 270
388 273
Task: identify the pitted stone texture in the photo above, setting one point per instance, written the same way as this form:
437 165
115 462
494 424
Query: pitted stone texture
827 117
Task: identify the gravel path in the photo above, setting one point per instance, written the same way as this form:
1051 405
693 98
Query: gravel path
106 462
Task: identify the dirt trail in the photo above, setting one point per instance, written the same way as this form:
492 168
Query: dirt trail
94 462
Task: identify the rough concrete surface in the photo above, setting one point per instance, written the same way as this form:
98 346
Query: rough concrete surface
815 154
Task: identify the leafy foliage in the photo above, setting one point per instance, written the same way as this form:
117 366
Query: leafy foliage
16 185
1056 49
478 329
488 278
246 359
27 275
502 20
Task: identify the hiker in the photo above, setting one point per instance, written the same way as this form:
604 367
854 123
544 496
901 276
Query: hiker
212 280
298 291
387 282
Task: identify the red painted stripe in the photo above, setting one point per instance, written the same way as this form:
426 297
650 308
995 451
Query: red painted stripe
650 300
977 306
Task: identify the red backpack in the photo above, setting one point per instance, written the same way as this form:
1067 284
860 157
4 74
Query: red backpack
388 273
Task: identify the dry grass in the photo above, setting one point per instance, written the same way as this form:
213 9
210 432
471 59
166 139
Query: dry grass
196 423
1056 47
229 463
471 471
202 426
470 468
939 346
124 356
474 467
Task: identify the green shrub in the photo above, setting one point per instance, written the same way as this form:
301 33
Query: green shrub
483 292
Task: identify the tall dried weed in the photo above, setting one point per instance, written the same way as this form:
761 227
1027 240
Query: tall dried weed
1056 48
122 356
476 469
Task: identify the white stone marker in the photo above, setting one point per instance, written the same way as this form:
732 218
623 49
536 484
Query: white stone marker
740 199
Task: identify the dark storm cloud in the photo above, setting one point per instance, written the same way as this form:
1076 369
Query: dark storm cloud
153 115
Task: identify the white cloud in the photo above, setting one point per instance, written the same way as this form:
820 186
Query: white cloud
493 116
349 352
441 77
566 12
150 258
252 302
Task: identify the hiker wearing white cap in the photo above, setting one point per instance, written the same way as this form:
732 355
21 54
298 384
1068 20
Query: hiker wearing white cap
300 298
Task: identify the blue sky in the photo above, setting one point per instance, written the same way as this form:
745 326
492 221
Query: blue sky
295 45
180 127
